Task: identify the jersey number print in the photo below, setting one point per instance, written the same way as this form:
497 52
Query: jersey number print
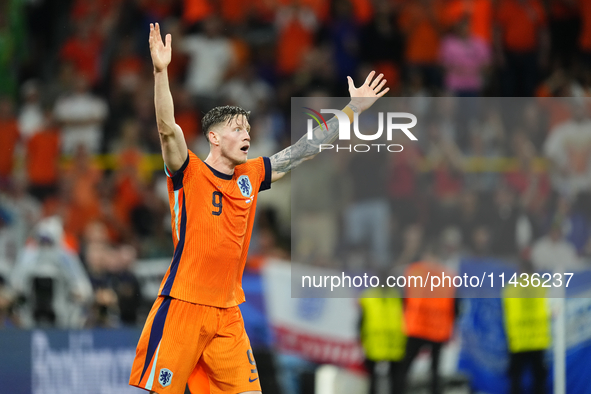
216 200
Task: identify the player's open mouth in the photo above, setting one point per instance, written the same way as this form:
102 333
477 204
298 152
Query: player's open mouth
245 148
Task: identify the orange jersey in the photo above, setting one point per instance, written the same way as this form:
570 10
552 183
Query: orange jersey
212 219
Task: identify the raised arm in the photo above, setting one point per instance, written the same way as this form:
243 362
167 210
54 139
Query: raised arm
361 99
172 140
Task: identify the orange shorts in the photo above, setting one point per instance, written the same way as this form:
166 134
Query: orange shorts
201 345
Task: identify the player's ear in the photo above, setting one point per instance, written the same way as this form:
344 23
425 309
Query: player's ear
214 137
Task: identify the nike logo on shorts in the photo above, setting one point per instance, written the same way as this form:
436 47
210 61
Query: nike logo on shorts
252 380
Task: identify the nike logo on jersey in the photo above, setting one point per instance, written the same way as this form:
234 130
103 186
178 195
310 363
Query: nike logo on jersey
252 380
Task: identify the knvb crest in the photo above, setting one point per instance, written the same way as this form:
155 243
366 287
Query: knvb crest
245 186
165 377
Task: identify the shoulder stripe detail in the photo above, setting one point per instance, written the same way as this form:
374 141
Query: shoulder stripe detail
150 382
177 177
176 213
178 251
156 333
268 172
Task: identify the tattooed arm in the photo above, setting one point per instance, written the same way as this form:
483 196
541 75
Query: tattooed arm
361 99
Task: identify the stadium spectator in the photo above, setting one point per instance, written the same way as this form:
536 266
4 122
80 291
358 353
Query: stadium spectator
525 179
295 24
210 59
403 183
383 31
81 115
552 253
317 202
568 147
9 138
246 90
31 116
126 285
413 237
367 214
381 331
470 214
344 36
421 23
534 126
503 218
127 67
429 321
80 198
479 15
464 58
481 156
51 279
100 260
43 150
522 45
84 49
527 322
23 210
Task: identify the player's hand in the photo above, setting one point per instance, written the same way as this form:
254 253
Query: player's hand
364 96
161 52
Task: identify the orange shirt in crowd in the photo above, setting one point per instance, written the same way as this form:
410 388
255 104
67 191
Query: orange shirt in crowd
294 41
480 13
9 136
189 123
83 8
128 185
235 11
241 52
84 205
43 150
585 40
196 10
127 67
84 54
362 10
520 24
421 25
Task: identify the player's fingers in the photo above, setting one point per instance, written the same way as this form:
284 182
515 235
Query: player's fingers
383 92
369 77
168 39
351 84
375 81
380 86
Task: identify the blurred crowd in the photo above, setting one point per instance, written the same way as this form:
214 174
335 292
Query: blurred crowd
79 146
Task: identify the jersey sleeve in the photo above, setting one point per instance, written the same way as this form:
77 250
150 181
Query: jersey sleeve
266 184
177 177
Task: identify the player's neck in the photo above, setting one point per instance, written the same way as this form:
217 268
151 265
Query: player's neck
220 163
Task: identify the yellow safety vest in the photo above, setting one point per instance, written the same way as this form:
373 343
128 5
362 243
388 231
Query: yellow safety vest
527 319
382 329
